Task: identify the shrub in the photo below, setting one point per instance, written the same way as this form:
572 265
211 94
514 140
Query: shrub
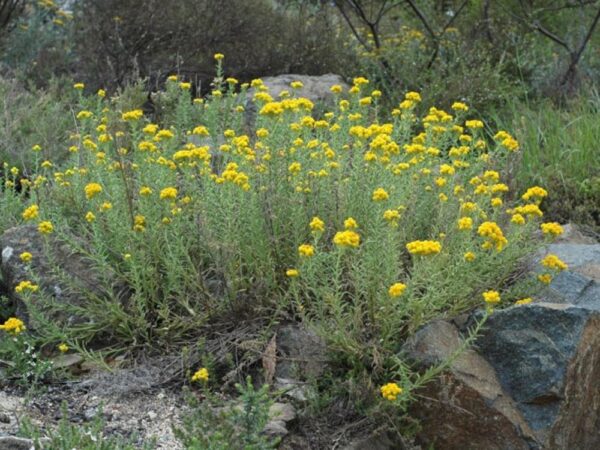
363 229
118 41
34 117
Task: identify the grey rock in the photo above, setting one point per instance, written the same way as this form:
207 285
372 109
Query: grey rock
466 407
282 411
275 428
576 255
547 357
568 286
302 353
16 443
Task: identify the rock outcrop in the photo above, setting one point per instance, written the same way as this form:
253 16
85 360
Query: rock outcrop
532 380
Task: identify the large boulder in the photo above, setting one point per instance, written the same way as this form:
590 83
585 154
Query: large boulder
465 408
58 265
547 358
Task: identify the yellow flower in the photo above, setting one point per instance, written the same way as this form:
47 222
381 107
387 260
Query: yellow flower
145 190
45 227
347 238
262 133
185 86
396 290
459 106
218 56
517 219
493 233
545 278
350 224
172 78
25 257
292 273
151 129
106 206
91 189
13 326
491 297
336 89
31 212
469 256
306 250
296 84
552 229
413 96
535 192
26 286
168 193
524 301
63 348
295 167
390 391
101 93
201 375
465 223
474 124
424 247
317 225
79 86
133 115
82 115
139 223
164 134
90 217
379 195
554 262
391 215
36 148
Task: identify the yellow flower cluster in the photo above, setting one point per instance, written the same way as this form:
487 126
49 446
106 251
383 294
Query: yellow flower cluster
31 212
554 262
493 233
424 247
390 391
92 189
347 238
536 193
380 195
168 193
45 227
396 290
133 115
552 229
491 297
201 375
26 286
317 225
306 250
13 326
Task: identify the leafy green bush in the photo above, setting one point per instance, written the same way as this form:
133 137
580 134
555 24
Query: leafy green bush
35 117
118 41
212 425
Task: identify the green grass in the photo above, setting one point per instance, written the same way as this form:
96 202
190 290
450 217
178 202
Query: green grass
560 152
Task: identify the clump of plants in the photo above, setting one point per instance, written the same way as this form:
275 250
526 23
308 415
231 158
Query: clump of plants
362 228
